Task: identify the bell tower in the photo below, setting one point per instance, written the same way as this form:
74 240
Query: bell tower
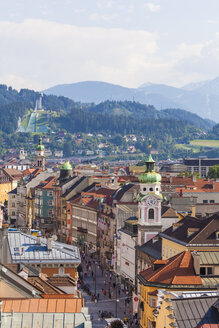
149 202
40 157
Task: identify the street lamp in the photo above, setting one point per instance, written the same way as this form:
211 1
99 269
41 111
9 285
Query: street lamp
117 300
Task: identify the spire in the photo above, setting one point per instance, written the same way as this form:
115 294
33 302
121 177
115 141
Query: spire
40 144
149 162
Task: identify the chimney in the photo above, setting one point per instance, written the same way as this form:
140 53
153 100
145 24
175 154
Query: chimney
213 184
196 262
159 264
180 193
193 208
49 244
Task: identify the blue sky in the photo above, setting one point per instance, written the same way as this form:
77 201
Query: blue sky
127 42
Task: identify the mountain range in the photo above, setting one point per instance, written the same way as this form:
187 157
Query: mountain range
199 98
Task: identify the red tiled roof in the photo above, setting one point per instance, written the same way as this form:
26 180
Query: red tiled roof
50 305
178 270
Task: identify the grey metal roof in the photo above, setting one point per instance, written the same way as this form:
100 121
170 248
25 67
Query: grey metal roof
210 281
44 320
193 312
209 258
25 248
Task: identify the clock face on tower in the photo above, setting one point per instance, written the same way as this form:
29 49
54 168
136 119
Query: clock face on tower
151 201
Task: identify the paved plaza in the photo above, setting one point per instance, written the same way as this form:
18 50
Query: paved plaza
104 303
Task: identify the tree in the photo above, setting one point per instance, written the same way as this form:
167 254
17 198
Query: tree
116 324
213 172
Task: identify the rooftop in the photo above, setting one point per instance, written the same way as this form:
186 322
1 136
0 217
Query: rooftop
39 305
196 312
177 270
26 248
203 230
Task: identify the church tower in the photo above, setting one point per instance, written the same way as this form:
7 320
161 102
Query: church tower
40 157
149 206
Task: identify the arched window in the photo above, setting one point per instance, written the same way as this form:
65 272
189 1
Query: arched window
151 214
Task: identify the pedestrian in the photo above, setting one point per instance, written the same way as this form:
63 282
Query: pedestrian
114 285
119 292
125 319
109 295
110 276
92 273
112 294
91 316
98 296
104 292
104 282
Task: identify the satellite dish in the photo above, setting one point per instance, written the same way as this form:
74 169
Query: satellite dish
54 237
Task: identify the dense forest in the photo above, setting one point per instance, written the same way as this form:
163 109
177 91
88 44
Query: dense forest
82 121
134 117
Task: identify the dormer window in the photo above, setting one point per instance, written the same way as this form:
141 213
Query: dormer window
176 225
205 271
217 235
191 231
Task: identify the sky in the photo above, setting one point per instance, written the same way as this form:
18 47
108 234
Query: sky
128 42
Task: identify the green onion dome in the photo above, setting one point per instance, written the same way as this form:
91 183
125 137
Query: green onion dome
66 166
40 147
149 177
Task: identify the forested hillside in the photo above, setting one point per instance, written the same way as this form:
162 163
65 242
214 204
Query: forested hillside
77 117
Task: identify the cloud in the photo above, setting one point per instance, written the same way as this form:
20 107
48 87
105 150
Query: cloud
152 7
41 53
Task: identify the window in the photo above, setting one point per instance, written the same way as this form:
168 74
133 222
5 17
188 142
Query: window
151 214
211 201
170 252
157 189
61 270
144 189
205 271
205 201
13 213
167 252
152 324
49 193
152 301
13 205
163 251
151 189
